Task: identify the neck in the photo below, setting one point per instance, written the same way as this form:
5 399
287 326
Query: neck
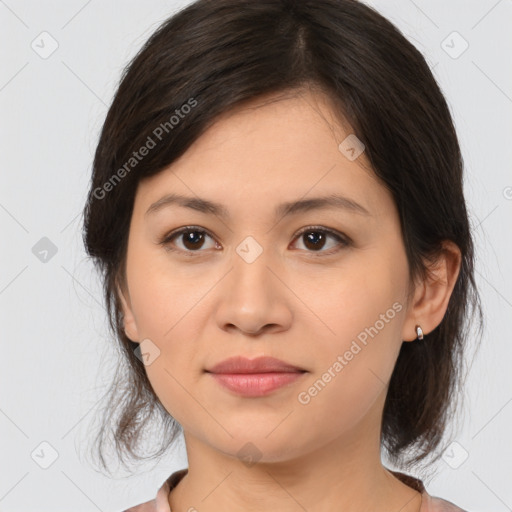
343 474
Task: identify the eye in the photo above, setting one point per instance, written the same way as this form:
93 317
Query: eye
315 237
193 238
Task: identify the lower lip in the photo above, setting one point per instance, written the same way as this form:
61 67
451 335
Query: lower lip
255 384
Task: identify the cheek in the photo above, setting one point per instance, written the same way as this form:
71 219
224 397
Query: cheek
354 358
161 296
353 371
336 401
167 309
361 300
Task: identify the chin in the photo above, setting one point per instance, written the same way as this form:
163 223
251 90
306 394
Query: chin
260 447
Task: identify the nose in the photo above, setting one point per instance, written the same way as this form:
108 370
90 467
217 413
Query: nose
253 298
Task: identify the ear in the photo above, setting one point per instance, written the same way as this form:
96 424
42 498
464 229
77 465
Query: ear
130 326
431 297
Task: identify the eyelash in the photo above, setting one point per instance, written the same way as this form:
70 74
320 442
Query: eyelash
342 239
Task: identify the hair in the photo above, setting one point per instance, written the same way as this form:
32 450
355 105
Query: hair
212 56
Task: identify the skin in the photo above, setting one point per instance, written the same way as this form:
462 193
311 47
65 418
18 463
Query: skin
289 303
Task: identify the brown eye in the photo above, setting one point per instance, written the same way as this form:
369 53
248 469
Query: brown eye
315 239
192 239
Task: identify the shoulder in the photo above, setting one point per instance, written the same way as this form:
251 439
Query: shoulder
429 503
436 504
160 502
147 506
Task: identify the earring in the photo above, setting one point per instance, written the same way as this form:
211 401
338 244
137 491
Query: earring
419 332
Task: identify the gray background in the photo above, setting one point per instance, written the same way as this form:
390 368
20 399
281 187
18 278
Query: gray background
56 353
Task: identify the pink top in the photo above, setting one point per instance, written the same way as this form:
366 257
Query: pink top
161 502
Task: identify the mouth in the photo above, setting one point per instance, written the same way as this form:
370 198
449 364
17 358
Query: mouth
254 377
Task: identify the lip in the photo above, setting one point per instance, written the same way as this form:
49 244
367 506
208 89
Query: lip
264 364
254 377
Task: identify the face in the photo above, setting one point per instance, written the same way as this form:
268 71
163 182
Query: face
323 289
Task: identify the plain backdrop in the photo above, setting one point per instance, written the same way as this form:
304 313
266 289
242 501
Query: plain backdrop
57 355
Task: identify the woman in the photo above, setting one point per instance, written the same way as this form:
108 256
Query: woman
277 210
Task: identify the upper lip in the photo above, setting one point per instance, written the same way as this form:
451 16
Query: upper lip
264 364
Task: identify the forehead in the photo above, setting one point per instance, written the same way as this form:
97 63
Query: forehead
271 149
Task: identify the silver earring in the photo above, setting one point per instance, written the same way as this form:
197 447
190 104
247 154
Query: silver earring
419 332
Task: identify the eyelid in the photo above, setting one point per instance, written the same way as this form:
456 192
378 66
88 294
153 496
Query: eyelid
341 238
167 238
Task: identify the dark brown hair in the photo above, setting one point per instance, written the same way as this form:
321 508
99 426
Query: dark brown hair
213 55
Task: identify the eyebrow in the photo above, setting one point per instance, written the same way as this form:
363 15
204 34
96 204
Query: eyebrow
282 210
